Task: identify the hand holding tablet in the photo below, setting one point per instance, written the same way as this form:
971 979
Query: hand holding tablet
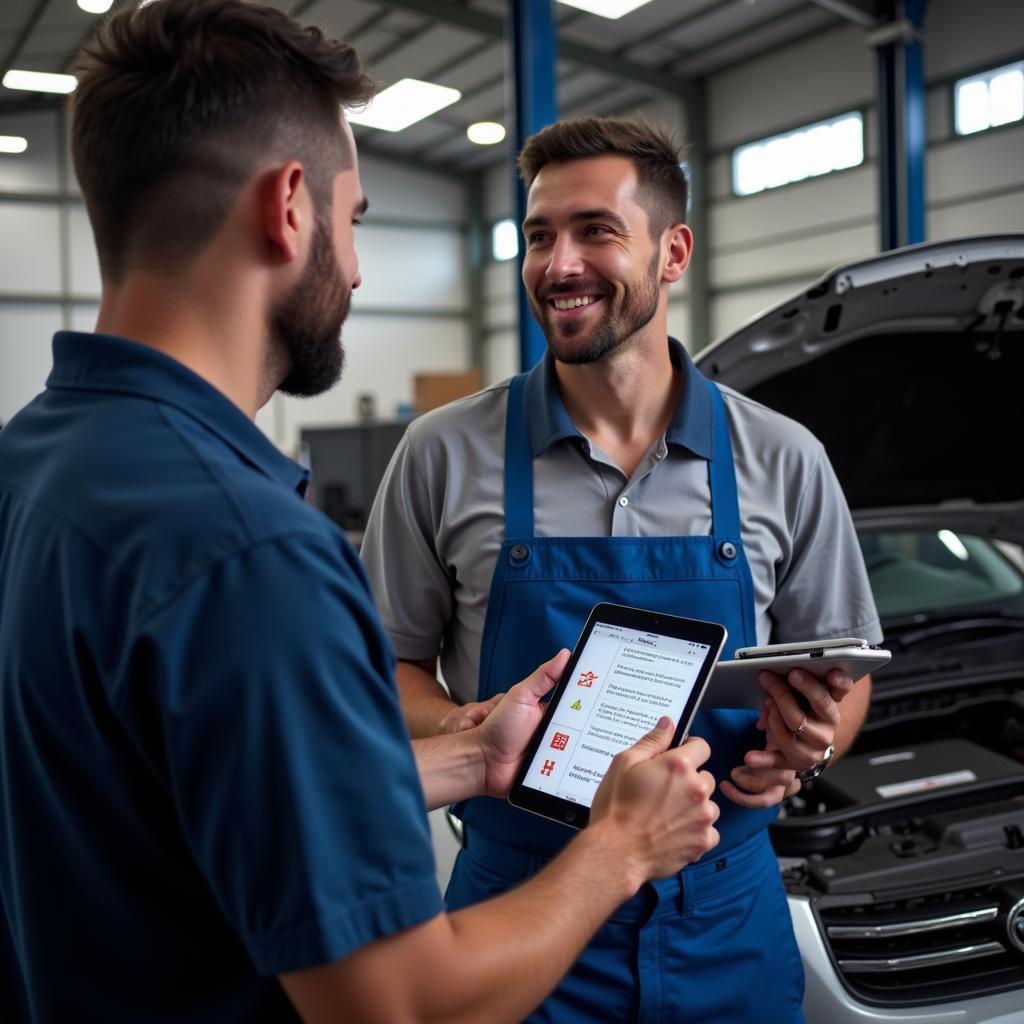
734 684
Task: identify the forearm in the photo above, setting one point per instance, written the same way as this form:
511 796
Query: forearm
451 767
424 700
516 948
852 712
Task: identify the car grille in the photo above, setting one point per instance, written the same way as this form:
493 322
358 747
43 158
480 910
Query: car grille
929 949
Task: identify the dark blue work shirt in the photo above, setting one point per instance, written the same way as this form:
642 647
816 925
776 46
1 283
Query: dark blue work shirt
205 779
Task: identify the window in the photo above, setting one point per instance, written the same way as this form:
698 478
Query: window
988 100
505 240
805 153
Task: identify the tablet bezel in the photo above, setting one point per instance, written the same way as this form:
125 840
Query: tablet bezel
567 812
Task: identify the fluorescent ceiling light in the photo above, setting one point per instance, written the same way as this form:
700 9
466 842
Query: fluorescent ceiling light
403 104
40 81
13 144
95 6
485 133
606 8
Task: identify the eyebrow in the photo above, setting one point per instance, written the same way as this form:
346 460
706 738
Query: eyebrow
580 215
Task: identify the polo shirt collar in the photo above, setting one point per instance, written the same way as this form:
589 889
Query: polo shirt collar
106 363
692 424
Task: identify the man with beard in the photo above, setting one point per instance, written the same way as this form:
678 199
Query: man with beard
209 807
613 471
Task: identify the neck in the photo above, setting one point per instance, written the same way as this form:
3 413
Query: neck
624 403
206 320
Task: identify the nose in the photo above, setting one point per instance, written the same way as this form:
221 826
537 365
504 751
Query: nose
565 259
357 281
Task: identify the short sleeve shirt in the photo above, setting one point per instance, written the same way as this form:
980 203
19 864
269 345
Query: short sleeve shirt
205 779
437 524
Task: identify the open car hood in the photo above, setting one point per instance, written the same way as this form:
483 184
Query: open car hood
909 367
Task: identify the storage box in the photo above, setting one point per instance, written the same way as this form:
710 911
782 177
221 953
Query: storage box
431 390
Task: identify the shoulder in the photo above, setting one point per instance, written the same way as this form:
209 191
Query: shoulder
171 499
464 430
761 432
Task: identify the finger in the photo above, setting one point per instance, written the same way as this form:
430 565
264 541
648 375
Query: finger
755 780
765 759
839 684
657 741
794 716
805 750
695 751
542 678
769 798
818 696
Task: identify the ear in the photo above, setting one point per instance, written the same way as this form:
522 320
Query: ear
678 242
286 210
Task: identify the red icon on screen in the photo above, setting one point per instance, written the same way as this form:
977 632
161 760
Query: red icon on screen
549 767
586 679
559 740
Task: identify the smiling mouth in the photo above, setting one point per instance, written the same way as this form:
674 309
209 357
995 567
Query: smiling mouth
565 302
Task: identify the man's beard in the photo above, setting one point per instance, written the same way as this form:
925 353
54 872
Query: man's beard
637 308
306 324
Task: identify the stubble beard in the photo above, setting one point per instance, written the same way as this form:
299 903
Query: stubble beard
635 311
306 325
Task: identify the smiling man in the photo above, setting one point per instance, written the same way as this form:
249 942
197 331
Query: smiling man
613 471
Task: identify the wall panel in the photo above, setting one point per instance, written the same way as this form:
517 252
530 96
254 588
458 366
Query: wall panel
26 356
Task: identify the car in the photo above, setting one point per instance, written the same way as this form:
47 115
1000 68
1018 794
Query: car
904 862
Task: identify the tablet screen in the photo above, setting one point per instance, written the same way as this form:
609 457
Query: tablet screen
623 681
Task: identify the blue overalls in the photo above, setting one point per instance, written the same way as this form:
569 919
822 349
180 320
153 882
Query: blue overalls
713 943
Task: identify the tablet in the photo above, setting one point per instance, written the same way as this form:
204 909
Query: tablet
628 669
734 683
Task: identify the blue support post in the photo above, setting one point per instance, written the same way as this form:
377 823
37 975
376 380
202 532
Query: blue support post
534 63
902 126
916 123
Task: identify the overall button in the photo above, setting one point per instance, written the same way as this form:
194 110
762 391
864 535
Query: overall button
727 550
519 553
623 501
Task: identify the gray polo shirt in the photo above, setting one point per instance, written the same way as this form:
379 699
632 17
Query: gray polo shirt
437 523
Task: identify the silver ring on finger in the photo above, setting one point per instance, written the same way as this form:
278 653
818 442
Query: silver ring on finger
800 728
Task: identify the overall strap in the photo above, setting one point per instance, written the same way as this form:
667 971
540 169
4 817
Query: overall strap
725 505
518 464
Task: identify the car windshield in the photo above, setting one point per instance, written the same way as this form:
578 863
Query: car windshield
925 572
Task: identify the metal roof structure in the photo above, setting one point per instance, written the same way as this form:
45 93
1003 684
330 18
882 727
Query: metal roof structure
605 66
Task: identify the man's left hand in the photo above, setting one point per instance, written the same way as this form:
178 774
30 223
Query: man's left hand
505 732
798 732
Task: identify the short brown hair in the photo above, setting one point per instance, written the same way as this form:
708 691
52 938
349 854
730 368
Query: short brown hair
177 105
655 153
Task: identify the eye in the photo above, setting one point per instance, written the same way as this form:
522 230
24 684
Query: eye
595 229
536 237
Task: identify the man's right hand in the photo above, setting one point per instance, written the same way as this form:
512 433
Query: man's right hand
659 802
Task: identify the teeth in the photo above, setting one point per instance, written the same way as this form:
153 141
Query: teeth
574 301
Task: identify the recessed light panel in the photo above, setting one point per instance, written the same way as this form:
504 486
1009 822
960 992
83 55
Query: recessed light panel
13 144
40 81
403 104
606 8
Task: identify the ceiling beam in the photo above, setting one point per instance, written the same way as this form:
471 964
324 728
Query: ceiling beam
493 26
849 12
23 35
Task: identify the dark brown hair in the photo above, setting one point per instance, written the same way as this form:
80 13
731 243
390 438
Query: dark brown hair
178 104
663 189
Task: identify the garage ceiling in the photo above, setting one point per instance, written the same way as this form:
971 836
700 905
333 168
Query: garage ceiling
605 66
